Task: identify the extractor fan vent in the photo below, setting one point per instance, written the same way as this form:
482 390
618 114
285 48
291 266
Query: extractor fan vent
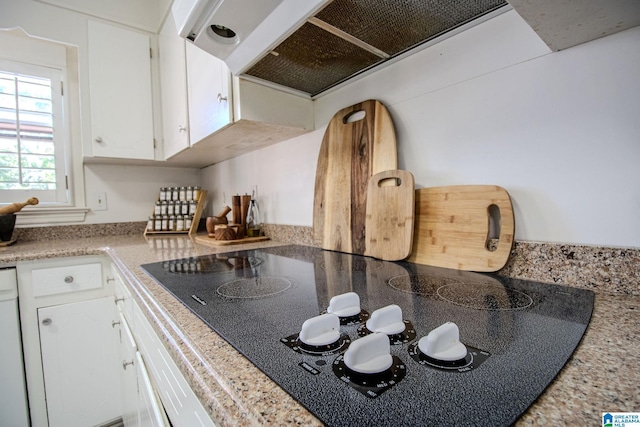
350 36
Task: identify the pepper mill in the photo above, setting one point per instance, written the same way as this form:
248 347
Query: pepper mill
245 202
236 209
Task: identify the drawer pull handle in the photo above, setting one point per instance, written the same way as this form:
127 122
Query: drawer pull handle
114 323
110 279
68 279
125 364
117 300
46 322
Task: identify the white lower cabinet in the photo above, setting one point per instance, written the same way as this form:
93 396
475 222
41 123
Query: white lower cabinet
79 361
66 315
129 392
150 410
163 395
91 356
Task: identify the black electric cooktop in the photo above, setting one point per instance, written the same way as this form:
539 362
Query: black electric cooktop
518 333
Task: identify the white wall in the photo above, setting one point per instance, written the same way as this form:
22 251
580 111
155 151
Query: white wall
131 191
560 131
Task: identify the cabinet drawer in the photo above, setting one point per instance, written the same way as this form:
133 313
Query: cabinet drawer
60 280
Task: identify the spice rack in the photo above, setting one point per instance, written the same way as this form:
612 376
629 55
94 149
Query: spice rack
160 221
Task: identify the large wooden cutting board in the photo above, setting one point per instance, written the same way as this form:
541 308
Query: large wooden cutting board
390 215
452 227
353 149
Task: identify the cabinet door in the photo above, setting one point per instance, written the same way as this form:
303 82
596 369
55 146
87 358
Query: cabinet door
173 85
127 362
208 92
13 391
151 411
80 363
120 91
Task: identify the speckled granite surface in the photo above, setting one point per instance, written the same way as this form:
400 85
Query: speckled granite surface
601 375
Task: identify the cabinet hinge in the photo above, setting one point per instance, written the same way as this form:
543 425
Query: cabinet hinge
154 143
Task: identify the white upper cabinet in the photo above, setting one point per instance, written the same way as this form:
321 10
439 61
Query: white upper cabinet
225 116
120 92
173 85
209 93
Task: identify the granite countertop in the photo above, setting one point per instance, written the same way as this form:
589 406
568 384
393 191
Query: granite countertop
601 376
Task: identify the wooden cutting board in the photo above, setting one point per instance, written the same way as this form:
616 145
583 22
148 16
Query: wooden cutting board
390 215
452 227
353 149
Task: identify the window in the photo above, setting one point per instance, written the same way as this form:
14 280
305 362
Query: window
32 134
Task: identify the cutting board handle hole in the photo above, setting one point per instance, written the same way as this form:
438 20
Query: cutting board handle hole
355 116
493 212
390 182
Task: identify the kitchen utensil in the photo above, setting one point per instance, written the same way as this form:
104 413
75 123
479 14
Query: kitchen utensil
237 209
17 207
7 224
245 202
221 218
390 215
452 227
225 234
358 143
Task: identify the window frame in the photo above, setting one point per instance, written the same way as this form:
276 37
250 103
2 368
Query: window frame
61 195
17 45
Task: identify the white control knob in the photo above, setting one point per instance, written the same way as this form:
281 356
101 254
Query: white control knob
369 354
320 330
387 320
443 343
345 305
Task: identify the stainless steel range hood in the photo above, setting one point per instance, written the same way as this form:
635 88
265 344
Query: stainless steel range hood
309 46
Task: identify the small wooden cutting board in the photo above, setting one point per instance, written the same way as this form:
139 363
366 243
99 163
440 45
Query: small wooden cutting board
390 215
452 227
359 142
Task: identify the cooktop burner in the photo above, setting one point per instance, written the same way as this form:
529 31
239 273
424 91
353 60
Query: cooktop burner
517 334
485 297
257 287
